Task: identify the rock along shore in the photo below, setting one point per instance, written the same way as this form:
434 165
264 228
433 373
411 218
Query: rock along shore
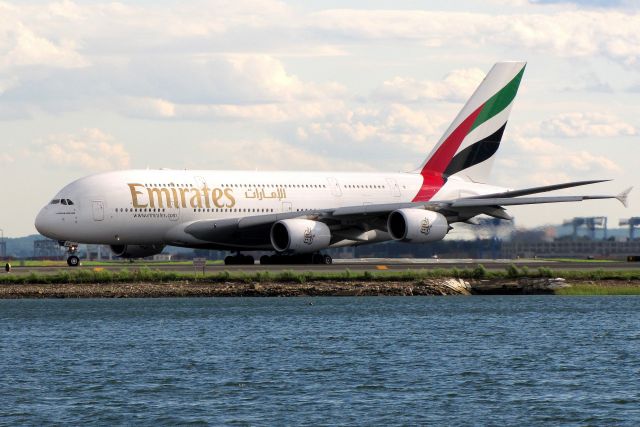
276 289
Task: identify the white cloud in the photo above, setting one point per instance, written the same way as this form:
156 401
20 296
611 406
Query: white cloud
272 154
566 33
229 87
539 161
23 46
396 127
578 125
90 150
259 113
458 85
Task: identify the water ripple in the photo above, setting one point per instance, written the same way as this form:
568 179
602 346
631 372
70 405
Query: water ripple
352 361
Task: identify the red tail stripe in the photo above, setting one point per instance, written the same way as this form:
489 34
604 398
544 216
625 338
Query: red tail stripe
432 179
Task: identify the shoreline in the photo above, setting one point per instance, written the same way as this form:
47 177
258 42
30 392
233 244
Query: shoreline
422 287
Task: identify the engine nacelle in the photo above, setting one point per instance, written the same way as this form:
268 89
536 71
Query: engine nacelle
300 236
417 225
136 251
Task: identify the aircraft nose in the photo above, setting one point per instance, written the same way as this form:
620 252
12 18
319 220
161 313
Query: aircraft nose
43 223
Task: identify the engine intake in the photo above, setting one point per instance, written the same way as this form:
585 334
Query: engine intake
300 236
417 225
136 251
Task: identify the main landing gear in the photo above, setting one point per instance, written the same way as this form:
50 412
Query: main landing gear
72 260
316 258
239 259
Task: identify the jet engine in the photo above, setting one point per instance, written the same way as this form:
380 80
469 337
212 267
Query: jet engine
300 236
136 251
417 225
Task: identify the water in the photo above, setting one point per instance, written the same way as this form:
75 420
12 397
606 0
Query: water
369 361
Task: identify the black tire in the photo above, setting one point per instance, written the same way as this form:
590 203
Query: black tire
229 260
317 259
248 260
328 260
265 260
73 261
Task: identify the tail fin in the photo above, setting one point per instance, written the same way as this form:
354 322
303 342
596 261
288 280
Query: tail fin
466 149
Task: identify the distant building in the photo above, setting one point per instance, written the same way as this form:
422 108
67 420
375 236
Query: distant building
570 248
47 249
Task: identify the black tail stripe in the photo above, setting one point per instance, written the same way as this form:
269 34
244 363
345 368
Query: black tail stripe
475 153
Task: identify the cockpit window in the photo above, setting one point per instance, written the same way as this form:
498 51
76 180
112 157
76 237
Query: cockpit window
55 201
69 202
63 201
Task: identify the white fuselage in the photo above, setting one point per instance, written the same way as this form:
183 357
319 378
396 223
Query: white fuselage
155 206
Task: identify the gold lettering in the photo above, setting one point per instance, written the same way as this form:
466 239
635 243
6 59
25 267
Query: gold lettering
232 201
205 193
216 195
182 199
176 202
196 199
134 195
156 195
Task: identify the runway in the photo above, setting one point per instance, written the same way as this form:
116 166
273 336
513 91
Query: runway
366 264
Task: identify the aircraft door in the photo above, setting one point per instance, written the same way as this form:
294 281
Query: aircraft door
334 186
394 187
287 207
98 210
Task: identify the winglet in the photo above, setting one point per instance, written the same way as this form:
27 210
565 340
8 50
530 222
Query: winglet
622 197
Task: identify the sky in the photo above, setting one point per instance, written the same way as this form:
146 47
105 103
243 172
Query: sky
317 85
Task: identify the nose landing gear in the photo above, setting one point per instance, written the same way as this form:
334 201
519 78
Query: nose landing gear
72 260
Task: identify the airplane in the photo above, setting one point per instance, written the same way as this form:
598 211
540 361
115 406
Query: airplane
297 215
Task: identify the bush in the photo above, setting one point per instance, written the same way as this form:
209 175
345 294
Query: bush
545 272
479 272
512 271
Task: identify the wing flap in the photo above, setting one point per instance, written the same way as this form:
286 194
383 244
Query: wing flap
507 201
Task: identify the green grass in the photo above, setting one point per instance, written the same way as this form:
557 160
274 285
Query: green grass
584 289
145 274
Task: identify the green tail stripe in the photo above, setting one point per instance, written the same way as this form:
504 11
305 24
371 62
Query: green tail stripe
499 101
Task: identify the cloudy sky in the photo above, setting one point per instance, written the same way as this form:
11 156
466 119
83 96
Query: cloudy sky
345 85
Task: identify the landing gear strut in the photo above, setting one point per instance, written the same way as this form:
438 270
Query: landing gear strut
73 260
239 259
316 258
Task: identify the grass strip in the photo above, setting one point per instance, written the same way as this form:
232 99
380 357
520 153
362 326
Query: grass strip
288 276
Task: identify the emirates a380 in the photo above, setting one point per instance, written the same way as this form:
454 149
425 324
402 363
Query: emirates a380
297 215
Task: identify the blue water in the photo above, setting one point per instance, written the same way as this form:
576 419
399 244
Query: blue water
370 361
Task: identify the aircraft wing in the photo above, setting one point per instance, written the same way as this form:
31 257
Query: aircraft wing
374 215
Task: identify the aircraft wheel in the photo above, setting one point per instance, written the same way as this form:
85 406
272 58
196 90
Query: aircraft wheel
229 260
265 260
73 261
328 259
248 260
317 259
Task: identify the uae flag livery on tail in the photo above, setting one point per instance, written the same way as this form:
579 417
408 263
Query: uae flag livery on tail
467 148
